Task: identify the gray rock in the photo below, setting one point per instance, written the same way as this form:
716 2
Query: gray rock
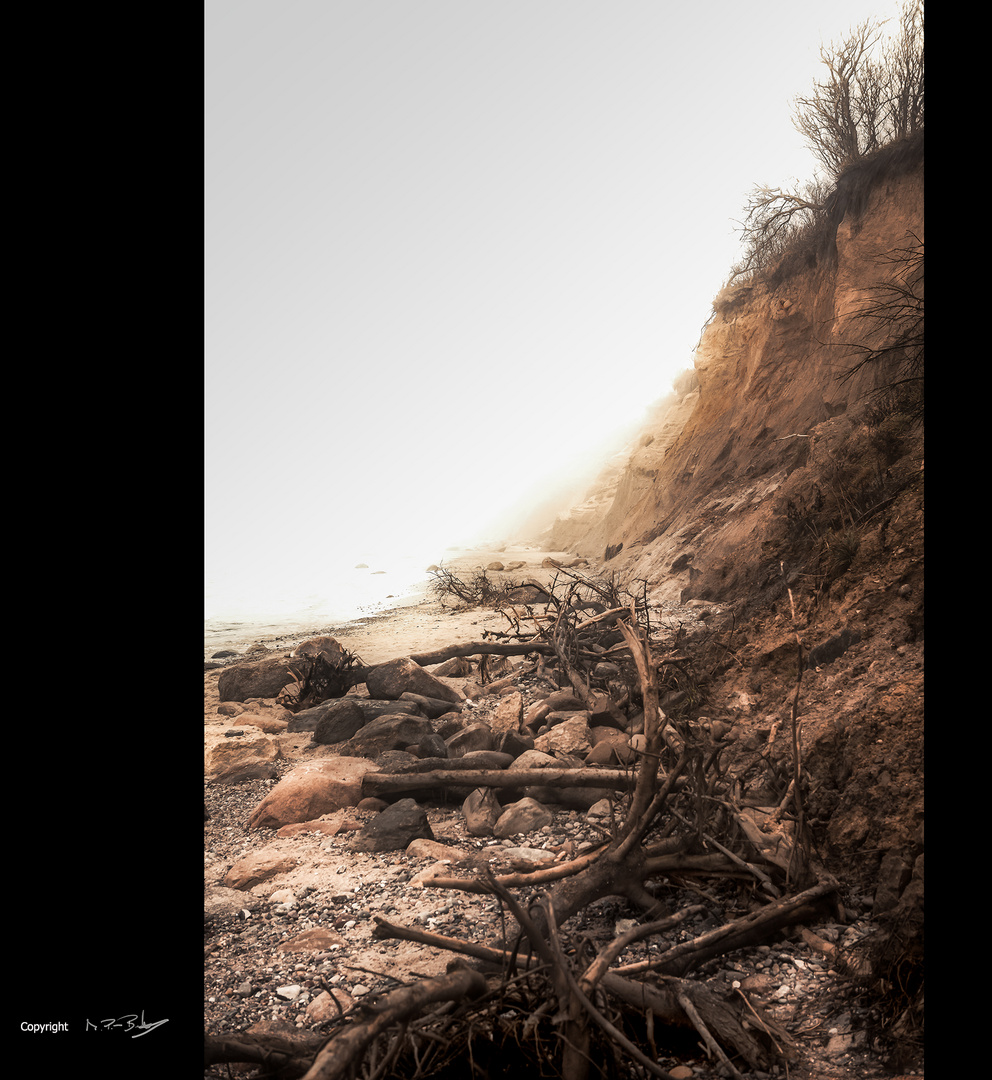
474 737
387 733
525 816
398 677
342 720
481 811
394 828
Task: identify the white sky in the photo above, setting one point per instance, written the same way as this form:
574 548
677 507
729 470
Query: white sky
448 242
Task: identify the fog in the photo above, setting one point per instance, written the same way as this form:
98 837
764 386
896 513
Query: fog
454 247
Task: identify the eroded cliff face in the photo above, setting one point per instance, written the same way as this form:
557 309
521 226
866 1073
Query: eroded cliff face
786 503
694 504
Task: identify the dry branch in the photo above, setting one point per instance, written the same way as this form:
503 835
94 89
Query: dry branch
748 930
344 1051
382 785
281 1057
480 648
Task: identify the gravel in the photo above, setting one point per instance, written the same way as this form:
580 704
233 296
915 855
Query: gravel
250 978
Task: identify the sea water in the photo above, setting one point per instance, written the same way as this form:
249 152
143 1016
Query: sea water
242 606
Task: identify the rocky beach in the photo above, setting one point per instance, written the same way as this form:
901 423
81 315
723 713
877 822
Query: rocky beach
302 870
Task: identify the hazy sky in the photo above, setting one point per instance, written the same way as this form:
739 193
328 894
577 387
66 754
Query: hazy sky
450 242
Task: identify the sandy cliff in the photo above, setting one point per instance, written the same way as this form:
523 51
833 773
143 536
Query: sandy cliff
698 496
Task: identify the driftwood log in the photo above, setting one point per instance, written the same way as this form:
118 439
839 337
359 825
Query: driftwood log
383 785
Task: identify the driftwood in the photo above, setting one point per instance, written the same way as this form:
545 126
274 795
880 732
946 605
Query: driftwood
383 785
483 648
341 1054
282 1057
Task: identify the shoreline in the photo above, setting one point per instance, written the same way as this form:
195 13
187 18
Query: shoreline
417 622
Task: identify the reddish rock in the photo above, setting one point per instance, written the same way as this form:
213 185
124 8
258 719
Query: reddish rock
259 866
315 940
329 825
397 677
310 791
508 713
262 679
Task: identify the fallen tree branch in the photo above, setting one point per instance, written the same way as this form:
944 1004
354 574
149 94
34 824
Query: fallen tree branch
381 785
704 1033
478 648
283 1057
576 1057
386 931
748 930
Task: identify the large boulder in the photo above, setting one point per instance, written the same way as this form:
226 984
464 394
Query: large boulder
261 679
613 749
537 759
239 772
510 742
456 667
528 594
473 737
571 736
342 720
327 647
481 811
308 719
237 747
508 713
223 901
524 816
398 677
387 733
311 790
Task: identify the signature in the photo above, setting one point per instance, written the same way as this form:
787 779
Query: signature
128 1022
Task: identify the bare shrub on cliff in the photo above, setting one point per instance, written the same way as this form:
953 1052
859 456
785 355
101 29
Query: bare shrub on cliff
892 320
779 224
871 96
